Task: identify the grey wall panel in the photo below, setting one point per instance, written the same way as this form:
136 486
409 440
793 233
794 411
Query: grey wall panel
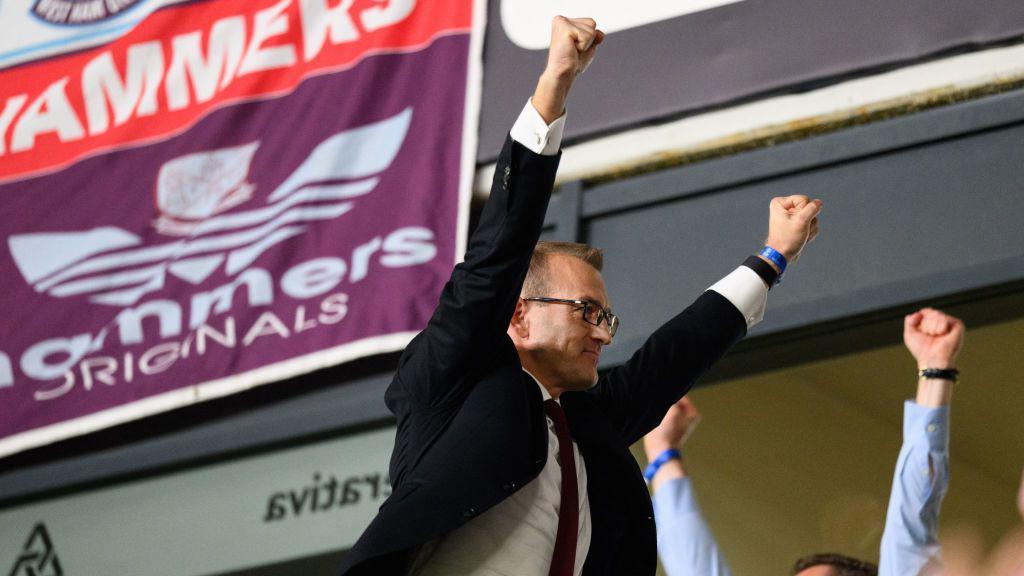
316 413
933 217
735 52
707 177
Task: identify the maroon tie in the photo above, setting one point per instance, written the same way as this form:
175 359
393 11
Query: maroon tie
563 561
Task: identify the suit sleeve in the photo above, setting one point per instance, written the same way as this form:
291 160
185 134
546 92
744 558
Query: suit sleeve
477 302
637 394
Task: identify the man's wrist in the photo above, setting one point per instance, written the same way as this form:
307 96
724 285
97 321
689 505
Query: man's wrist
784 248
659 461
944 374
669 471
654 449
935 382
558 76
940 364
778 260
550 95
934 393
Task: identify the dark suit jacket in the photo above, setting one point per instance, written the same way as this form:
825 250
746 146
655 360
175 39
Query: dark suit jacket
471 425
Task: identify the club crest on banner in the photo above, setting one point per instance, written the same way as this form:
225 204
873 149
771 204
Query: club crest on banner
72 12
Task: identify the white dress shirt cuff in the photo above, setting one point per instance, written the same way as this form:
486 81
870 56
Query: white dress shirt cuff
747 292
532 131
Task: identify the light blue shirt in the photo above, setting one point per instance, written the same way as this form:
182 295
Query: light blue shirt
687 547
911 538
685 543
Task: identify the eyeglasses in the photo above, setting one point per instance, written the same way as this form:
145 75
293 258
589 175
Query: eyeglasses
592 312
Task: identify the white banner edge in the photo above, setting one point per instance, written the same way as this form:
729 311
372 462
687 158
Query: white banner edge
197 393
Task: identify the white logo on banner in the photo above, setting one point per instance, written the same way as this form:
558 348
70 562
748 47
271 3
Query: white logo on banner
520 18
111 266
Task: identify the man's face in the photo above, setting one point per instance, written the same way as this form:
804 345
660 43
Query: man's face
560 345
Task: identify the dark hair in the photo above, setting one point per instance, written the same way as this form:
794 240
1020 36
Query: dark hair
844 565
536 278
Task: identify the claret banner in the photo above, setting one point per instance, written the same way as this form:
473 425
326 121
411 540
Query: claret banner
200 197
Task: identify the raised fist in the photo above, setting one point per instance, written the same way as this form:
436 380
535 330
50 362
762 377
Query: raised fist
573 43
792 223
679 422
933 338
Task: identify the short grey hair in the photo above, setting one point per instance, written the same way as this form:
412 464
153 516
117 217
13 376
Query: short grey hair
537 277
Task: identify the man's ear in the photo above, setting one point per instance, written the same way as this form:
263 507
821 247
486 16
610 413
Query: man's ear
519 325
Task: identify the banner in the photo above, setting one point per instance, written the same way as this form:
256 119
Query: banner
253 516
219 194
664 60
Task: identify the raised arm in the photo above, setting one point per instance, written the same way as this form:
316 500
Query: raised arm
685 543
637 394
910 540
477 302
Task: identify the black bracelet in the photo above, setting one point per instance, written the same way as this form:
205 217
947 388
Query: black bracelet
951 374
763 269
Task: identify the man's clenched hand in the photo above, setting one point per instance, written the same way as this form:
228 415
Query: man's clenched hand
792 224
574 42
933 338
679 422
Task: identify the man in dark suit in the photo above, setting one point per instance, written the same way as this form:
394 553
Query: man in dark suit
511 458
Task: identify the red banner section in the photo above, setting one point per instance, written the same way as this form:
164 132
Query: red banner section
185 60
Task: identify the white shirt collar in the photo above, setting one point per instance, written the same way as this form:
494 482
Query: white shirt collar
543 390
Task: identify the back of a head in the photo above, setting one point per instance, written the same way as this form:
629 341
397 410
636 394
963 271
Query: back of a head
840 565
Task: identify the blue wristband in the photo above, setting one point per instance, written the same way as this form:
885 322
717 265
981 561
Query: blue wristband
665 456
776 257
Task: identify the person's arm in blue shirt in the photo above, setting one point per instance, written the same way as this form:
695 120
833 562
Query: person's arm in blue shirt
910 541
685 543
